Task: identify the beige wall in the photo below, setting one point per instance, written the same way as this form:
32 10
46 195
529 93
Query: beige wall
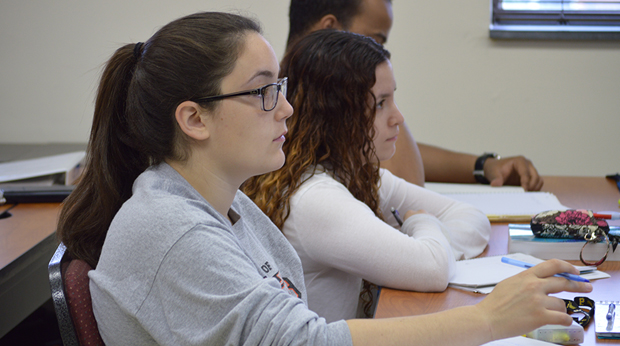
557 103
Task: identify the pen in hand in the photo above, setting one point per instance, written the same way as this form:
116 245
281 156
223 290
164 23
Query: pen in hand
397 216
521 264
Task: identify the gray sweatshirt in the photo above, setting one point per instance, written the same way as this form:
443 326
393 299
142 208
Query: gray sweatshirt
173 271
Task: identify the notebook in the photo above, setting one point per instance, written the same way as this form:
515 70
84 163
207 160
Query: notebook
606 328
500 204
483 273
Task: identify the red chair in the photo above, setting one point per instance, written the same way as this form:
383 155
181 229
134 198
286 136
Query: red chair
71 298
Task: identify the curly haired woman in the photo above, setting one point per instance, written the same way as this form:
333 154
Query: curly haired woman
332 201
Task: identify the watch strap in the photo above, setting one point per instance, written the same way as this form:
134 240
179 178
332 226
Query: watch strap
479 167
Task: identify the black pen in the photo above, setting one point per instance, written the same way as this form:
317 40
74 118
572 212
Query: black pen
397 216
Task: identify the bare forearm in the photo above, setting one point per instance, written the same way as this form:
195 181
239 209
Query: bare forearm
441 165
417 163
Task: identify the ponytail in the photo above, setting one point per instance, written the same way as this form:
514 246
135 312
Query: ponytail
112 165
134 124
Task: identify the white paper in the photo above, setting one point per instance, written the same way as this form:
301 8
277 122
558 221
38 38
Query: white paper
26 169
449 188
499 201
488 271
481 274
527 203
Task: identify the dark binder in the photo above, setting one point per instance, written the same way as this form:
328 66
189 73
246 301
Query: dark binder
36 194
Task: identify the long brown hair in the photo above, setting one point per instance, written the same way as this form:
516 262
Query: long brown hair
330 74
134 125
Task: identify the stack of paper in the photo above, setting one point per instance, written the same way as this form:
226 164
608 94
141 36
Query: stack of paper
48 169
449 188
483 273
500 204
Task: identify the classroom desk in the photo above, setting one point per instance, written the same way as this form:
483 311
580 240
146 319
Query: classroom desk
575 192
27 242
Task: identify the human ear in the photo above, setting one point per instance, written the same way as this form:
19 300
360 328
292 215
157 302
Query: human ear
329 21
190 117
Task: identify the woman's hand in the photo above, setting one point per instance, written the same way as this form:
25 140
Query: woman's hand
521 303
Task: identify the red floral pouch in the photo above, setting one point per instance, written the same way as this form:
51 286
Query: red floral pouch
574 224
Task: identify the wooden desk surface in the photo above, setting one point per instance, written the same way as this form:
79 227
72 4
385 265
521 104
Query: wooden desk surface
575 192
29 225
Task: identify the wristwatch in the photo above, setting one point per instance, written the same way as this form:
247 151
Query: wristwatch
479 167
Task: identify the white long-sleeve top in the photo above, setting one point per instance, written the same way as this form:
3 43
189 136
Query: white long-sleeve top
340 240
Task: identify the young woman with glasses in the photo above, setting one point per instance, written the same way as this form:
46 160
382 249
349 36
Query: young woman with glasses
181 256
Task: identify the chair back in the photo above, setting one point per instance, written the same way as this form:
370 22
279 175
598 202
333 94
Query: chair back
71 297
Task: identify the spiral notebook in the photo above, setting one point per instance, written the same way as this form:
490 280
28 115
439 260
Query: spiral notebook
607 323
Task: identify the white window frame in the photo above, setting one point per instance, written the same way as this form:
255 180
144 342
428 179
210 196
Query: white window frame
555 20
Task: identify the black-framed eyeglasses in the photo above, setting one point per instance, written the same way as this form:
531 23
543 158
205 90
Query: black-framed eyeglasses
268 93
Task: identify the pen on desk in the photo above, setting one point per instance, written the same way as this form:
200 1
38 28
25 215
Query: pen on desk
611 312
397 216
522 264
